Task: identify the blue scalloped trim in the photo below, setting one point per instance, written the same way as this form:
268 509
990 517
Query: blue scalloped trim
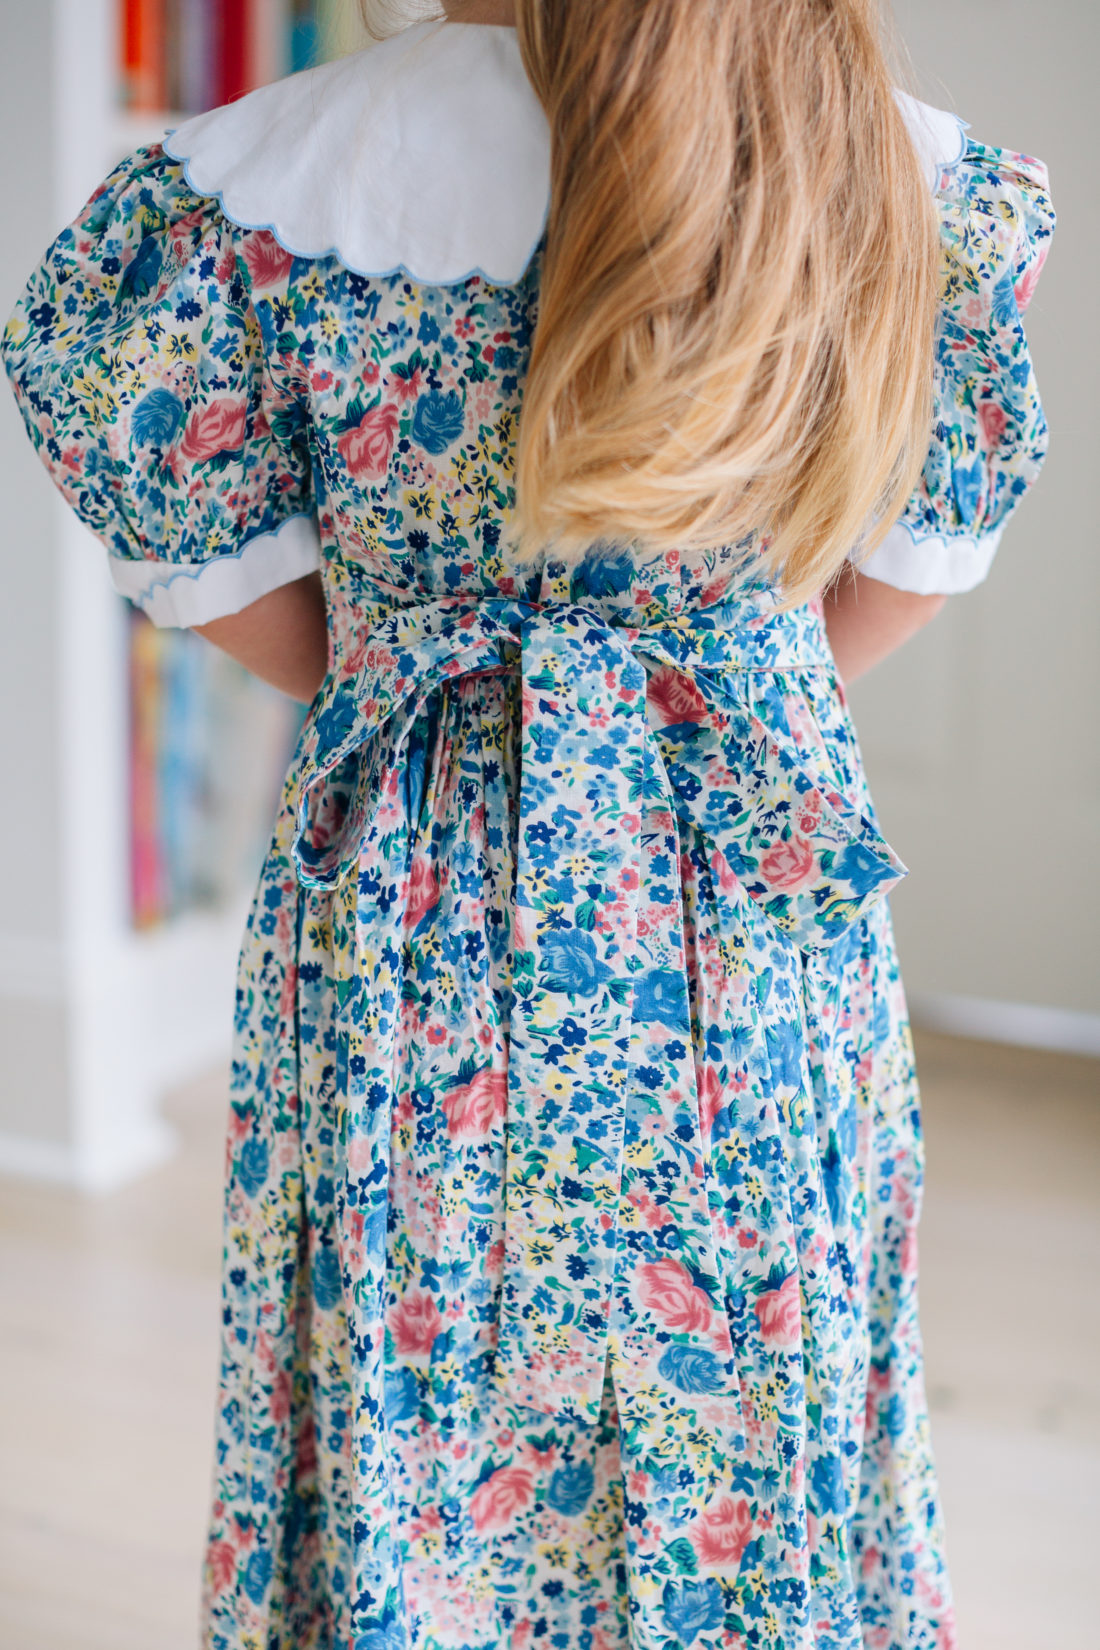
197 569
965 534
335 252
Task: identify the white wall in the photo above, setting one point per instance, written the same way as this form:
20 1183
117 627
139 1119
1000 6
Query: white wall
982 738
32 1022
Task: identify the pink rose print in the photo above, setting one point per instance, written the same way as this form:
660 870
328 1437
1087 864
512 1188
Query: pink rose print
496 1502
665 1286
993 421
415 1322
423 891
268 262
808 817
366 449
472 1109
360 1154
788 866
221 1560
216 428
675 698
779 1313
1024 290
721 1534
711 1099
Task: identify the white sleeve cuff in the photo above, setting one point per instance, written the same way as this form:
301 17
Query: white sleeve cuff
936 565
182 595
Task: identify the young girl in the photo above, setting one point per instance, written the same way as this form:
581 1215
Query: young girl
512 391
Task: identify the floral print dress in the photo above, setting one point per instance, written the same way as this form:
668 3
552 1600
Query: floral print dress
574 1157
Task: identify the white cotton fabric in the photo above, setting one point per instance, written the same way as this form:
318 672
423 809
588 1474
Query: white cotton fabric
173 594
934 564
429 153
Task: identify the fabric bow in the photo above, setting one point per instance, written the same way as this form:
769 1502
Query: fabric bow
590 758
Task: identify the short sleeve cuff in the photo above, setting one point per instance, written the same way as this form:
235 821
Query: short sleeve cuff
183 596
934 564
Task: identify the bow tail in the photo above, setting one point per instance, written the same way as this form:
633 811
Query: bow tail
574 939
670 1324
779 825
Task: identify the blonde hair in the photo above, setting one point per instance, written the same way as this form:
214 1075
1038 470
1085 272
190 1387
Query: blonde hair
734 337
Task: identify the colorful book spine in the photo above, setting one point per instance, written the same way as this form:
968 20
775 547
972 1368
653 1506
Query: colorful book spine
143 48
304 35
190 55
268 23
193 48
232 50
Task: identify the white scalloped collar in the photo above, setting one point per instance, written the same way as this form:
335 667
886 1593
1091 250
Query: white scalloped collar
428 154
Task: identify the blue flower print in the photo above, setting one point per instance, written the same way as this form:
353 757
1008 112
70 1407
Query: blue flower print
601 575
966 484
402 1394
692 1607
438 421
662 995
1005 309
857 865
252 1166
571 1489
570 963
691 1369
784 1044
156 418
257 1575
142 270
327 1285
390 1637
827 1483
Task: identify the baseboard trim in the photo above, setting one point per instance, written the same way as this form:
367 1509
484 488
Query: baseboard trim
1023 1025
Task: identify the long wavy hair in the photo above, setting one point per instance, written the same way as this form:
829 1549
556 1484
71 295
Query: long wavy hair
734 338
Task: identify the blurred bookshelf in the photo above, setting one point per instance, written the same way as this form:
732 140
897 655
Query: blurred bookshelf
207 744
208 747
171 757
191 55
195 718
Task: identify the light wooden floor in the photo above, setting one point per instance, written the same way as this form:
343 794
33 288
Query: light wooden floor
108 1324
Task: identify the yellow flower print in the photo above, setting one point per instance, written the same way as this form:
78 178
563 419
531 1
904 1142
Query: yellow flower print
421 503
539 1253
556 1555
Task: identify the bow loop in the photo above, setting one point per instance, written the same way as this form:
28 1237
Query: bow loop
364 717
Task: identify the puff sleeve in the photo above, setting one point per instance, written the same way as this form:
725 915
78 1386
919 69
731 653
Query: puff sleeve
989 437
138 363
